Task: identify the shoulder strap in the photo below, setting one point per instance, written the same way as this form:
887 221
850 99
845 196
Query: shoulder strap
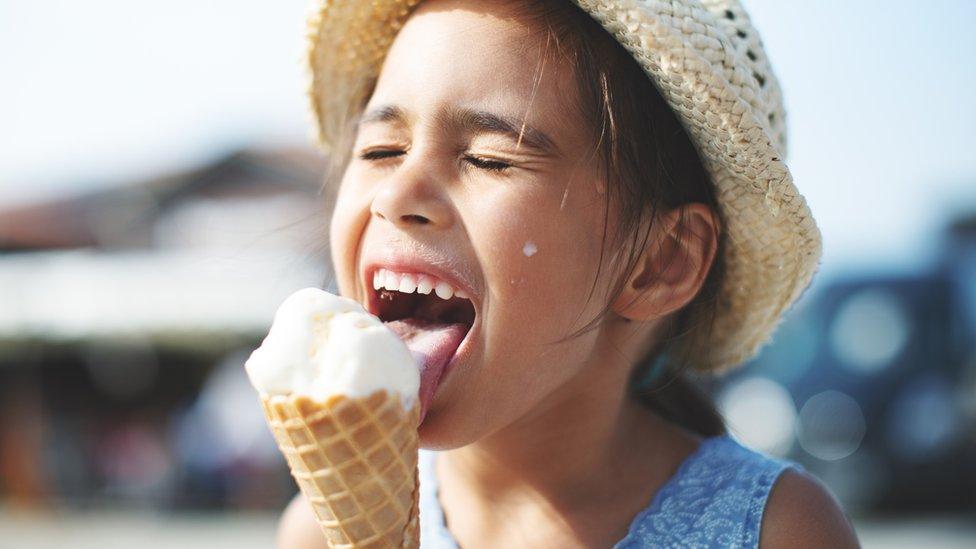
716 499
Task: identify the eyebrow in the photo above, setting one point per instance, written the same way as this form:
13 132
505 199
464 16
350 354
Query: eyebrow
473 121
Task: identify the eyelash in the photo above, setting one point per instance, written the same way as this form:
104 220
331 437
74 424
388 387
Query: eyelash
488 165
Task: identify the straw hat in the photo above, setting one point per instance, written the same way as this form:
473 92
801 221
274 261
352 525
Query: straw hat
708 62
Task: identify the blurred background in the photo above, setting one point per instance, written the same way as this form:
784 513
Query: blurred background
159 197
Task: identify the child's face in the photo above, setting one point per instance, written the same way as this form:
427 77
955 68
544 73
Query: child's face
527 239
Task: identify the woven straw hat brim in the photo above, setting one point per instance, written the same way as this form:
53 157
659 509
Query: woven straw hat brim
707 60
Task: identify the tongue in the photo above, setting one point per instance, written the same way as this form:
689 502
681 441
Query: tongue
432 344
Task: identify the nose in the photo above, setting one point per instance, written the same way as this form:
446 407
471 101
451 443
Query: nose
411 197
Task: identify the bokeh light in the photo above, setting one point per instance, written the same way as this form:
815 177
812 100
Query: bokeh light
870 329
760 413
831 425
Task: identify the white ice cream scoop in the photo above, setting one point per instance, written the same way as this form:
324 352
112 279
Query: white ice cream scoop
321 345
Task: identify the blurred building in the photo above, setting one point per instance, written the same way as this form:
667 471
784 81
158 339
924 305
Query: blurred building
125 317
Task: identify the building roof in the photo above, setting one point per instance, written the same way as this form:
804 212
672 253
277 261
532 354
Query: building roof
122 216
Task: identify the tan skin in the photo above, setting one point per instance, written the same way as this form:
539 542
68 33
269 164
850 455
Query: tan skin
542 446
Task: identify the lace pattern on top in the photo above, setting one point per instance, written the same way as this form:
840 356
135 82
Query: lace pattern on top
715 499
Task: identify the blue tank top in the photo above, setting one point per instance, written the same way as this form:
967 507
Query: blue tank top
715 499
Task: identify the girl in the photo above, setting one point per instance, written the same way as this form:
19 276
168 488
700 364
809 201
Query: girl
585 204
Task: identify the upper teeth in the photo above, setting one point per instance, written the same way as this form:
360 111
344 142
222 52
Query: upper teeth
410 283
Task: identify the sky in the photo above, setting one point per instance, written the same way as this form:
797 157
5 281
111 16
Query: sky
879 96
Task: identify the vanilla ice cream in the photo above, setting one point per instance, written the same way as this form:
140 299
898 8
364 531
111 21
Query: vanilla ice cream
321 345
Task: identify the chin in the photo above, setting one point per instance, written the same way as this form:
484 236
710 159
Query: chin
444 430
438 432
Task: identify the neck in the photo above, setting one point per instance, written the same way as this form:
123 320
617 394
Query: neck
582 440
572 472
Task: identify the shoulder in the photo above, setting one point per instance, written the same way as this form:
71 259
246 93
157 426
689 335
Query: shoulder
801 512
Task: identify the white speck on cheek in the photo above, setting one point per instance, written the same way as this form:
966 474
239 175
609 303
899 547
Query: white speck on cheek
529 249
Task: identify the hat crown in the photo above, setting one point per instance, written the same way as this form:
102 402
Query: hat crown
665 35
752 73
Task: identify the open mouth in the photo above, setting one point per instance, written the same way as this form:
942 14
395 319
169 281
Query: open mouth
432 316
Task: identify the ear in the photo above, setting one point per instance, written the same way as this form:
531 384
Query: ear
673 264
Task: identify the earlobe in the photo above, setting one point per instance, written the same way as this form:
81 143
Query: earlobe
673 264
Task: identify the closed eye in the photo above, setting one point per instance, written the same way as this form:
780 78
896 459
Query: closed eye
490 165
481 163
379 155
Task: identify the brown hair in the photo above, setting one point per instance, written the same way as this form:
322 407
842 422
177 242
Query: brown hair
651 167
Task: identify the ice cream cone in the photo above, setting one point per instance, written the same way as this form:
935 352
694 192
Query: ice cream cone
340 392
355 461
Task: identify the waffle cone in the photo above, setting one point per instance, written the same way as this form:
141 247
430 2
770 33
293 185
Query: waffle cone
355 460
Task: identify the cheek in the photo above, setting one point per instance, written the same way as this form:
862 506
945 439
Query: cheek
349 219
540 259
539 262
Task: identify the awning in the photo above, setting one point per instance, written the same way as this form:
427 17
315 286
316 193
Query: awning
94 294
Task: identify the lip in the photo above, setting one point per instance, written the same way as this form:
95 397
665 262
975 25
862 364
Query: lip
423 262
